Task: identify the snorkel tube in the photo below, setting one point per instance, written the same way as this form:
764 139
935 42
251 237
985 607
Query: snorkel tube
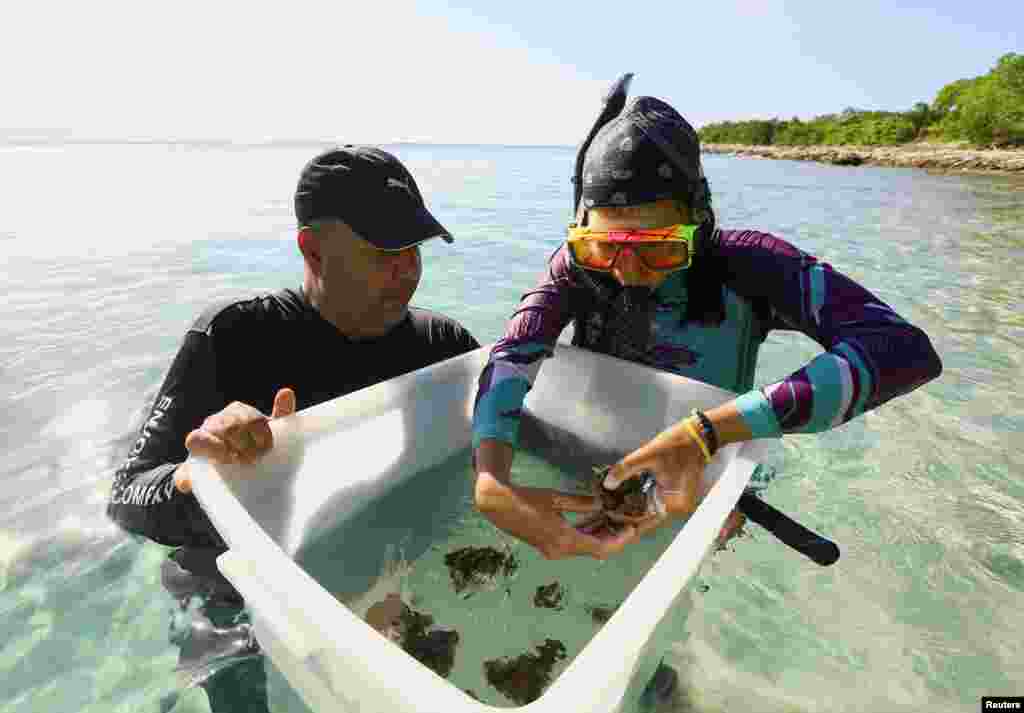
614 101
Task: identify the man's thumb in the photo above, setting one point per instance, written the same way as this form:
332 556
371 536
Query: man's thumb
284 403
183 480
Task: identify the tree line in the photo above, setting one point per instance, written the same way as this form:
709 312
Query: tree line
984 111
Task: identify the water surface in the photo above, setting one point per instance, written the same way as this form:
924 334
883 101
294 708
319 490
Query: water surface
109 252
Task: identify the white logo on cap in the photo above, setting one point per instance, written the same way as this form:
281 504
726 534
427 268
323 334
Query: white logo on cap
395 183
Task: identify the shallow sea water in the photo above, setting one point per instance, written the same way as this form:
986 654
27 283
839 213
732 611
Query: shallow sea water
924 495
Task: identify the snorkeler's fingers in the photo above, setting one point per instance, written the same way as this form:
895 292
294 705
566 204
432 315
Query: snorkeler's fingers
595 517
591 523
624 519
610 543
682 502
633 464
643 523
574 502
650 525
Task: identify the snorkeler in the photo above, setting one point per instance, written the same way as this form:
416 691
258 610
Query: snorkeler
647 275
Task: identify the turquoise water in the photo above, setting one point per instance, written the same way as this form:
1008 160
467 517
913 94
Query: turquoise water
109 251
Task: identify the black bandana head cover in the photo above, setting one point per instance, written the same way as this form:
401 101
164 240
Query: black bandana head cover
646 153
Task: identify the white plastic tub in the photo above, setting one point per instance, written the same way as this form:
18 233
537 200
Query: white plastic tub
333 461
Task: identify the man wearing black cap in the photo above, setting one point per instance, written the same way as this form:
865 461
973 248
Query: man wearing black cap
361 219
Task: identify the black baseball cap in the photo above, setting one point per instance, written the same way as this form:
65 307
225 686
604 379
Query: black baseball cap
372 192
646 153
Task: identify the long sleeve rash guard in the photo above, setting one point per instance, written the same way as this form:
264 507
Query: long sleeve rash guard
246 351
871 353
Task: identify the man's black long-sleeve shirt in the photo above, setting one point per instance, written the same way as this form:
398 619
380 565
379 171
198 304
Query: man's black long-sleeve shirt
246 351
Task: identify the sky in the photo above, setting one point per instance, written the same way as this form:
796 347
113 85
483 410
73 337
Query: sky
523 72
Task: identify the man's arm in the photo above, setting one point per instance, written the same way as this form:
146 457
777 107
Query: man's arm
143 498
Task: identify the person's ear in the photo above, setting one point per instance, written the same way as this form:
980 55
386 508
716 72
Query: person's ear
309 246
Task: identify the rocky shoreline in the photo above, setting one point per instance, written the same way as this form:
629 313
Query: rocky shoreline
933 157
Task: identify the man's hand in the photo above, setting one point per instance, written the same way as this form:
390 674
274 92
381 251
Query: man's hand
237 434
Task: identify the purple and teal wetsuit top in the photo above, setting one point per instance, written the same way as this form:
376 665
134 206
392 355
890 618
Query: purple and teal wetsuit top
871 353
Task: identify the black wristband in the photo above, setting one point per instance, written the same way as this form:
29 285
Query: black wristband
707 431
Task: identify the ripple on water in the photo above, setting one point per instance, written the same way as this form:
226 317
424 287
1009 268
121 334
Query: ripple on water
924 495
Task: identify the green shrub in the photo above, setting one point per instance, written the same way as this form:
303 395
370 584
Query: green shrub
991 112
984 110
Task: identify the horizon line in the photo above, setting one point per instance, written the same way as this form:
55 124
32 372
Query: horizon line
57 140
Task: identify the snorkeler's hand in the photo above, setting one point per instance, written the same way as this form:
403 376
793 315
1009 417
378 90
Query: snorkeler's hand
536 516
677 463
238 433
